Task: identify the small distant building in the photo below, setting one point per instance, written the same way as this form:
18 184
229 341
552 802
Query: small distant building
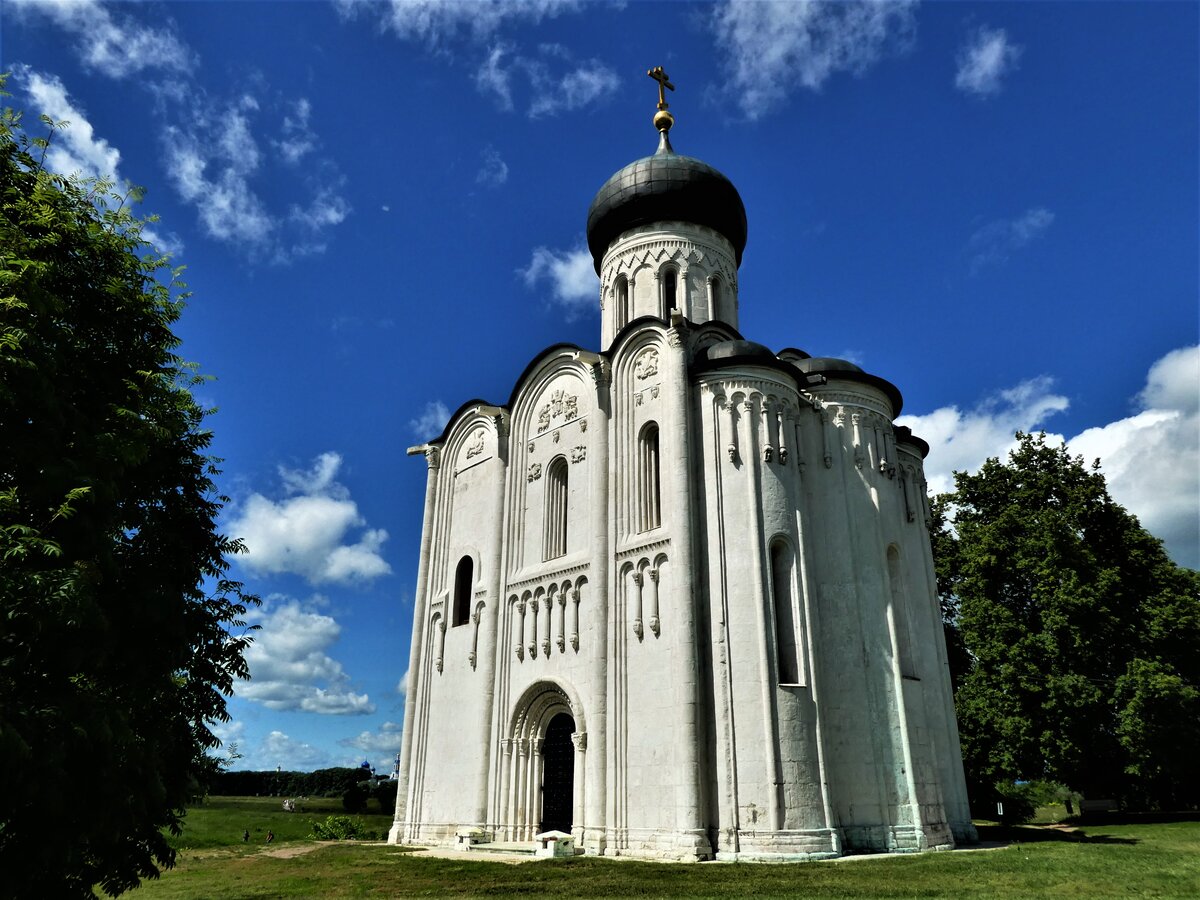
676 597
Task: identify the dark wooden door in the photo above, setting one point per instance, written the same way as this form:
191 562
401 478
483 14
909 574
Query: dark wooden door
558 774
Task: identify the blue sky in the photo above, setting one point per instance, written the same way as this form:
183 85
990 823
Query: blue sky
381 210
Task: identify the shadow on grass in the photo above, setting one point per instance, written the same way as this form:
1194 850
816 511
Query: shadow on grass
1036 834
1134 818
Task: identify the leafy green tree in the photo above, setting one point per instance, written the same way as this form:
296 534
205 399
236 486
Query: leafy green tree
120 636
1080 637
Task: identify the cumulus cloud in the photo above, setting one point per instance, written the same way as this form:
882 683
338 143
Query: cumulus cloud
984 60
290 668
1151 459
308 531
277 750
770 49
431 421
960 441
438 22
996 241
383 743
402 684
570 274
113 45
493 170
76 150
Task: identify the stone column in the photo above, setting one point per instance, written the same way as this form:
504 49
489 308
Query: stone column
595 772
693 837
433 461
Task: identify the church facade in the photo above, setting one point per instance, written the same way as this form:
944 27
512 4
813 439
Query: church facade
676 597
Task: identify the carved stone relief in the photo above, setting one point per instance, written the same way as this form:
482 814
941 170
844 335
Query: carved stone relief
475 444
578 454
646 365
535 472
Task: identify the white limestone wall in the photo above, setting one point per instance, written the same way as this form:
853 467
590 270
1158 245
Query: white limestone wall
770 799
444 787
704 264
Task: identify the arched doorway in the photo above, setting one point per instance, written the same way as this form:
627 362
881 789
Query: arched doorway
558 774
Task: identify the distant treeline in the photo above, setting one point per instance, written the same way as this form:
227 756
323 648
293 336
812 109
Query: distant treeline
321 783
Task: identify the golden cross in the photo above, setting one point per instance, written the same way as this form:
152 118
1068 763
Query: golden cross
660 76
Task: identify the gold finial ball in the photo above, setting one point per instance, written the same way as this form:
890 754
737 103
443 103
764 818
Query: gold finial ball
663 120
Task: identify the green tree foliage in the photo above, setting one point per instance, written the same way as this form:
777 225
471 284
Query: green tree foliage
1080 638
120 636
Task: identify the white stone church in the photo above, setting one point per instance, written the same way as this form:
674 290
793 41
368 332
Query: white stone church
676 597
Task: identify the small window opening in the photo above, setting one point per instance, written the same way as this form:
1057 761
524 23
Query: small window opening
464 577
899 612
622 302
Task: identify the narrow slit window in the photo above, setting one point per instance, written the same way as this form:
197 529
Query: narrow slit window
622 301
649 490
555 542
903 637
464 577
669 290
786 644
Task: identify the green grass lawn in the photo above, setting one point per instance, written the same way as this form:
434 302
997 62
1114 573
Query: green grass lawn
1146 859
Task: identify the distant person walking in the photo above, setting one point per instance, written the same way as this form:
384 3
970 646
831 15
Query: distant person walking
246 836
270 836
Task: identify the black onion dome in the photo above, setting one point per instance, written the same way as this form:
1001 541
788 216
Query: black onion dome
830 367
665 187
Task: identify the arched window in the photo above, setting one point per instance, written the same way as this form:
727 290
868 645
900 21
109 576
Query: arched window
899 615
669 289
714 297
555 538
621 295
786 644
649 492
464 577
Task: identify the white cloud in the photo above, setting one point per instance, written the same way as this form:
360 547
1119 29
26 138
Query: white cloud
277 750
961 441
385 742
580 87
402 684
290 668
996 241
438 22
76 149
297 139
220 177
114 45
1151 460
984 60
772 48
553 83
493 170
571 275
307 533
431 421
494 79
